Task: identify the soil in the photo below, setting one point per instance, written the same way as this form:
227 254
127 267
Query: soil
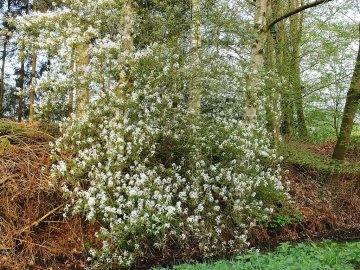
35 235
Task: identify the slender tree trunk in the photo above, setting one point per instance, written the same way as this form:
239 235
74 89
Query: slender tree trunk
352 102
32 87
296 22
195 89
2 77
21 86
288 94
33 76
257 59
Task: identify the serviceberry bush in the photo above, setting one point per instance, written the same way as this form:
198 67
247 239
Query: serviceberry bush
155 175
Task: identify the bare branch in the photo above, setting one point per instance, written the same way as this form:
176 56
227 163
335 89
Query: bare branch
297 10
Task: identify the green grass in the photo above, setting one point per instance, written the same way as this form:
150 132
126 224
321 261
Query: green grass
324 255
295 155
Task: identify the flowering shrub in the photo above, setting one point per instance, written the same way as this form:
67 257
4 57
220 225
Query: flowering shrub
154 175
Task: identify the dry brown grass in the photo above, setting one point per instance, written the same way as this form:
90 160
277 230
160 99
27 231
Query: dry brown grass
33 232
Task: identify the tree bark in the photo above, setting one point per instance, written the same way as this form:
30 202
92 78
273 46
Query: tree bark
283 68
2 77
295 74
257 60
195 89
21 86
272 109
295 11
33 76
32 87
352 102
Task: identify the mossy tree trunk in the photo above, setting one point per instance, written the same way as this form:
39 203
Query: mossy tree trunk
272 109
283 68
296 23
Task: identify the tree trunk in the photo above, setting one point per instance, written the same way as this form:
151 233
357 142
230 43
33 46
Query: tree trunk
352 102
21 86
283 63
32 87
33 76
272 96
296 22
257 59
195 89
2 78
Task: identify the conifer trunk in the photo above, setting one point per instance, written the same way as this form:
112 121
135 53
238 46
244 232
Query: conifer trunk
33 75
32 87
21 87
2 78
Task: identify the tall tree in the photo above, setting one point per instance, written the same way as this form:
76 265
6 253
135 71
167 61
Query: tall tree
5 40
272 109
352 102
2 75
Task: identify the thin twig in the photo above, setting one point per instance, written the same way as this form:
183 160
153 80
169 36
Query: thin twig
36 223
3 180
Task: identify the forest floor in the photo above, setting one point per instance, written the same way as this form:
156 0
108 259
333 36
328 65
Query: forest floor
35 235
